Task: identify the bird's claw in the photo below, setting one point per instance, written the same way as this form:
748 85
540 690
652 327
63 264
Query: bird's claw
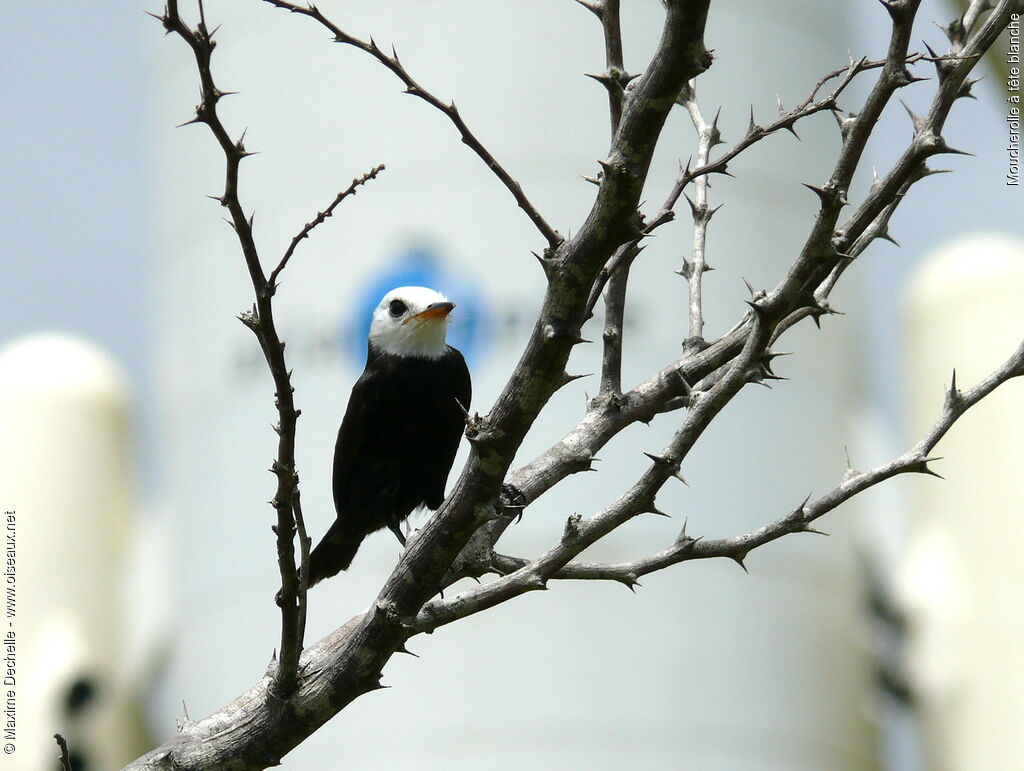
512 501
396 528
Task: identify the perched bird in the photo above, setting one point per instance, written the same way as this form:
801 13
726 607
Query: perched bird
402 427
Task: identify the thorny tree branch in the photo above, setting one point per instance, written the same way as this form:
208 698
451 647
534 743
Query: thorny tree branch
261 321
693 270
259 727
331 681
318 219
614 77
450 110
640 498
525 575
871 219
614 80
720 165
669 389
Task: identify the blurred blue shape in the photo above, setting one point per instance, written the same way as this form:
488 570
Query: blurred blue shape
420 265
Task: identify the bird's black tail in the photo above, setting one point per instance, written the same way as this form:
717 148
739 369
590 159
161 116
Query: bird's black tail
333 554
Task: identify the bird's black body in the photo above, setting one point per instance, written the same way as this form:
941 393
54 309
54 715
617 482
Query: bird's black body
395 448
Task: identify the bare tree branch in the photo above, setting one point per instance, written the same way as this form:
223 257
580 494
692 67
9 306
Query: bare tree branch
318 219
669 388
871 220
952 76
255 731
576 451
261 726
261 321
687 547
640 498
693 270
65 756
450 110
614 80
810 106
614 77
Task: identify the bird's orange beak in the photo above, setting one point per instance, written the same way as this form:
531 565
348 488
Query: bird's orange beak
433 311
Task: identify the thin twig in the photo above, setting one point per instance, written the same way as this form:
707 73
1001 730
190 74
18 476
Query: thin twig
65 756
614 79
450 110
319 218
611 337
973 13
695 268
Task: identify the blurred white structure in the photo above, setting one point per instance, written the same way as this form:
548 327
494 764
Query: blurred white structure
705 666
67 485
962 577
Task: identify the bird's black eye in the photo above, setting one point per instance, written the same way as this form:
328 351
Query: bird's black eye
397 308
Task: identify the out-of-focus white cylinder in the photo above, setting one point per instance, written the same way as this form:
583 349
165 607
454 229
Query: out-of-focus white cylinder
961 582
66 485
706 666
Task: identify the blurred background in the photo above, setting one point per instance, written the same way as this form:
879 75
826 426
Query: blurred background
136 412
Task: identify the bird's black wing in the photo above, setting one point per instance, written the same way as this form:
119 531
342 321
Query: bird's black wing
455 383
354 455
460 377
360 432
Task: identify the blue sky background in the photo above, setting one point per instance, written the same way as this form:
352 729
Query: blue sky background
75 207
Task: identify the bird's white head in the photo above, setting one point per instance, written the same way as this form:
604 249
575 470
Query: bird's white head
411 321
